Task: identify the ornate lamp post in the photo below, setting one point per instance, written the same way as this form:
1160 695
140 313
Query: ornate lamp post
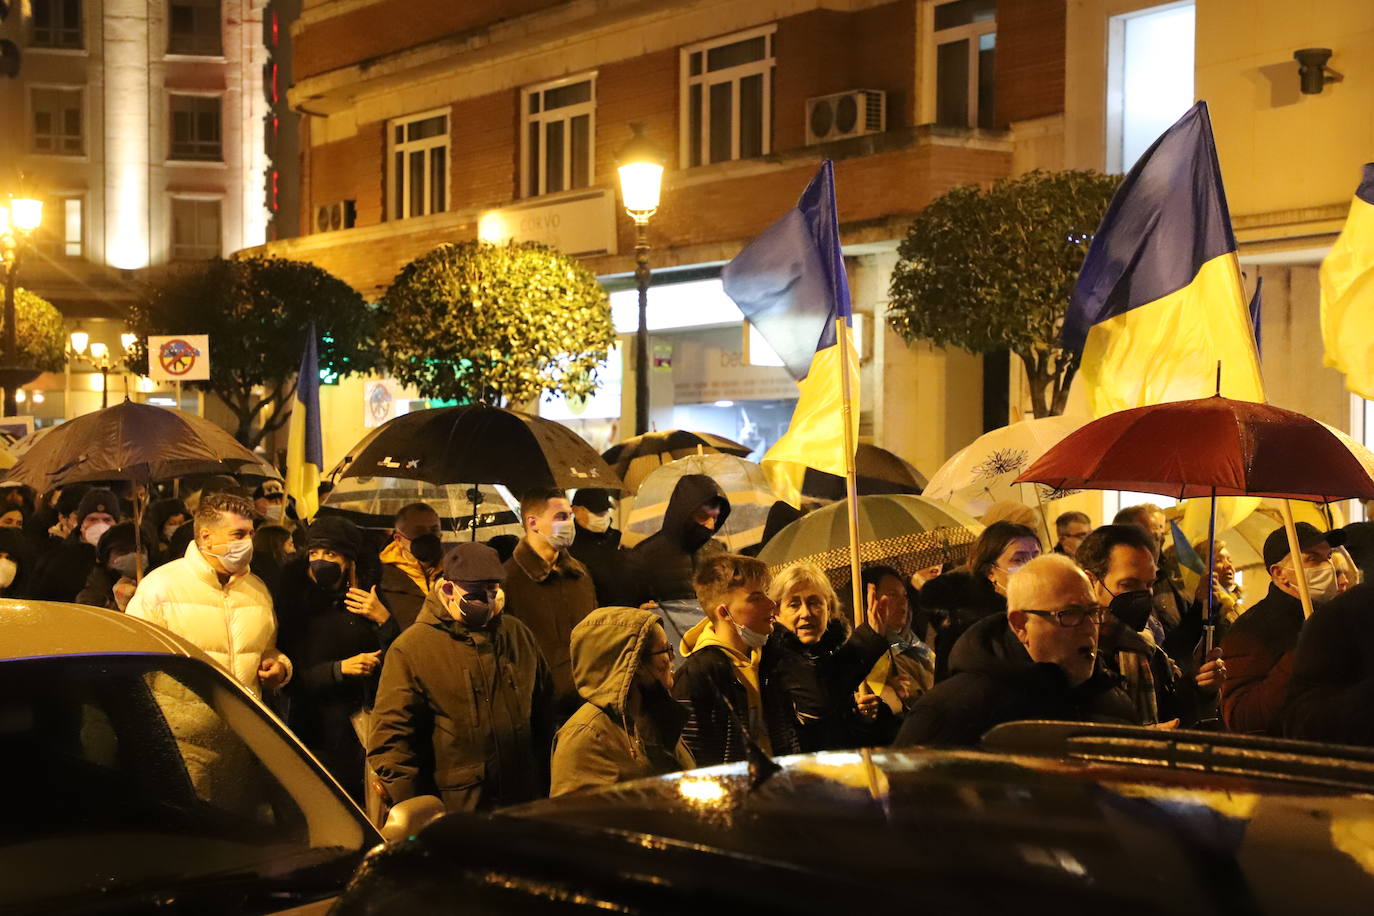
17 223
641 180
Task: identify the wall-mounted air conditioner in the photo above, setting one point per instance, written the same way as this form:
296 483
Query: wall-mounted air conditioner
333 217
845 114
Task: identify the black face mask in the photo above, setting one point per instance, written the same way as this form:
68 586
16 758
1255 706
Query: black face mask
327 573
428 549
1133 608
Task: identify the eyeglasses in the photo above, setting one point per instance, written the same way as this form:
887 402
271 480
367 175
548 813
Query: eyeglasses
666 650
1071 616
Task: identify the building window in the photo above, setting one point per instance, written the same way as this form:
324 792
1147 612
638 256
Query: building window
60 234
727 104
559 127
193 27
195 229
56 24
57 122
195 128
1149 78
419 164
965 40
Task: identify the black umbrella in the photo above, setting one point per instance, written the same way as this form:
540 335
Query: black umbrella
475 444
637 458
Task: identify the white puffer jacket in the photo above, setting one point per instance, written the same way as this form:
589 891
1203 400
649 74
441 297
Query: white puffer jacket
232 623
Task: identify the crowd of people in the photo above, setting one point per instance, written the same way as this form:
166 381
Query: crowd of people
489 674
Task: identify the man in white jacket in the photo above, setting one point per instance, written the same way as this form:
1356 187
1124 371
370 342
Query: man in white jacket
209 598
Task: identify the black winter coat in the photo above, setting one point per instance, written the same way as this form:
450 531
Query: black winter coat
317 632
611 569
839 663
993 680
62 570
963 600
666 562
1331 691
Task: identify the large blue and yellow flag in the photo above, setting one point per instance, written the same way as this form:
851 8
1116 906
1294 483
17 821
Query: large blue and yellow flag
1347 279
790 283
304 444
1159 301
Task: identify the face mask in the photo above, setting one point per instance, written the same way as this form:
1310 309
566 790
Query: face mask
561 534
1133 608
327 573
125 564
235 555
475 610
598 524
751 639
8 570
92 534
1321 582
168 530
273 513
428 549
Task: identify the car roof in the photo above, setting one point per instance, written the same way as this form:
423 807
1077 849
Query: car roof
41 629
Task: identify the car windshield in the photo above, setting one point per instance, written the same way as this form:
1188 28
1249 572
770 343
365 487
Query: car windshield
139 773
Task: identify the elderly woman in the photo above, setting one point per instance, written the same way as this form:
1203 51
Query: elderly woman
629 727
813 628
978 589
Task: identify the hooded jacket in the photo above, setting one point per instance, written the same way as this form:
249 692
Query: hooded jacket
465 714
601 744
404 583
723 691
232 623
963 600
993 680
666 562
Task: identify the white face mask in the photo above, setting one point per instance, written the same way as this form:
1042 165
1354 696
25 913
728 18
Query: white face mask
8 570
751 639
235 555
273 513
92 534
1321 582
561 534
598 524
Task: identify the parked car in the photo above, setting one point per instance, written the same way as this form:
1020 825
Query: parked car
1045 818
139 776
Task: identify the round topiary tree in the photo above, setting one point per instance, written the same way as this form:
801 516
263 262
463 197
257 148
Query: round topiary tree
993 270
500 324
41 338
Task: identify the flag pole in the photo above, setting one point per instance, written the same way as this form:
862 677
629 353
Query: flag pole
1304 593
851 479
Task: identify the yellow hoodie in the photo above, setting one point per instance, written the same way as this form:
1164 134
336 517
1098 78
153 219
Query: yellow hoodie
746 668
397 556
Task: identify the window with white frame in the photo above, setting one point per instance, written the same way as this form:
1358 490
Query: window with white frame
196 228
965 46
1149 78
60 234
418 148
56 24
58 128
727 98
195 127
560 124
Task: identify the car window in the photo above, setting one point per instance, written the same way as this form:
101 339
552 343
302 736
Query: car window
142 770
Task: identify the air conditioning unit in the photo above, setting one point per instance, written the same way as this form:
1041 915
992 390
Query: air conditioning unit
845 114
333 217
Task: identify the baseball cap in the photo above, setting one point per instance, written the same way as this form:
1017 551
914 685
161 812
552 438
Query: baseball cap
593 499
1276 544
469 561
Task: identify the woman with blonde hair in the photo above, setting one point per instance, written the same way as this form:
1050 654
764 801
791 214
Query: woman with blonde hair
841 715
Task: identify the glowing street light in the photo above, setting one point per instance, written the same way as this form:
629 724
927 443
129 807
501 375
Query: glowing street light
640 166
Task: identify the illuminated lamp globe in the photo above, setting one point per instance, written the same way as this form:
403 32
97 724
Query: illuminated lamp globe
640 165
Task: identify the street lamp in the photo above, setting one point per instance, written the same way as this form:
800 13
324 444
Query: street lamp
641 179
100 356
17 223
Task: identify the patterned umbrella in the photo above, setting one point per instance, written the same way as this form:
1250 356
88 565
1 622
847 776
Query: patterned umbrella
637 458
985 472
744 484
906 532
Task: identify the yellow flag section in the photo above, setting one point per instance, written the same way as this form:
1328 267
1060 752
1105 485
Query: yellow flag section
1168 349
302 475
1347 285
816 436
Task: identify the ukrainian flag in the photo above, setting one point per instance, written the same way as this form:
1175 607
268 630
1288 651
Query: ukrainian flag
304 444
1159 301
1347 279
790 283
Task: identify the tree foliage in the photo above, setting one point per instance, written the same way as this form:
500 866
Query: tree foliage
502 324
256 311
40 337
993 270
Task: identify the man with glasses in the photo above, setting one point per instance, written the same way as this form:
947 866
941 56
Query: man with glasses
1039 661
464 709
1121 561
1258 649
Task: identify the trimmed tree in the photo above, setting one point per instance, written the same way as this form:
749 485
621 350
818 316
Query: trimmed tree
256 311
499 324
993 270
39 335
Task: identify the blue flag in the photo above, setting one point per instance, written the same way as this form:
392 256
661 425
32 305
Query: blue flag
1256 311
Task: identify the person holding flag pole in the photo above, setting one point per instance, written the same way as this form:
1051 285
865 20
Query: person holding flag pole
790 283
304 443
